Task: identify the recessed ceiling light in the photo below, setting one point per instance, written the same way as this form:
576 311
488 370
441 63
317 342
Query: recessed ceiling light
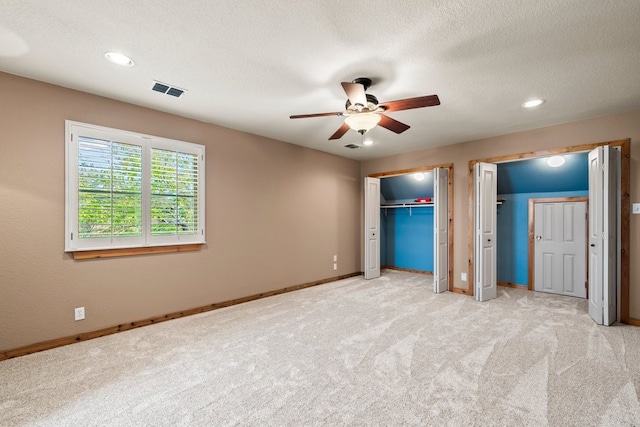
367 142
555 161
533 103
119 59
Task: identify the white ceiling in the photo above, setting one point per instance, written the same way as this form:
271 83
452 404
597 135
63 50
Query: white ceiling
250 64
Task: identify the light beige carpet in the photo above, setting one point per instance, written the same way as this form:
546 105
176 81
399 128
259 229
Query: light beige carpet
382 352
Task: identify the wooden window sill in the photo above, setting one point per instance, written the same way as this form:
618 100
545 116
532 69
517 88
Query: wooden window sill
109 253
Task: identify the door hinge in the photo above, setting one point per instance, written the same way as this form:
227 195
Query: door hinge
585 285
71 236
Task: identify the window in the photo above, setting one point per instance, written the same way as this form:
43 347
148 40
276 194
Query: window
127 190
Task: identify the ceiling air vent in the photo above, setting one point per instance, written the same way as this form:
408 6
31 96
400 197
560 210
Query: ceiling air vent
352 146
167 89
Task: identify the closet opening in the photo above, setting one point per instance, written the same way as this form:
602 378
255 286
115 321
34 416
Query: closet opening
408 223
542 224
518 210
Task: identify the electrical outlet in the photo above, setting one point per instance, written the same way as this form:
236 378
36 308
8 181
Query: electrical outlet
335 266
79 313
463 277
335 258
636 208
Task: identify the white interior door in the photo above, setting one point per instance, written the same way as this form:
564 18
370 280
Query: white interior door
486 189
603 234
371 228
560 248
441 230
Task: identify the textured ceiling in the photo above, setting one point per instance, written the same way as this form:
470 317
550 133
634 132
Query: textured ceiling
249 65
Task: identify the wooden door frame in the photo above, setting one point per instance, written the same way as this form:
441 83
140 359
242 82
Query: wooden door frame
449 208
625 211
531 223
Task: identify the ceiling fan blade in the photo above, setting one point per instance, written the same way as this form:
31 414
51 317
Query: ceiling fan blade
409 103
341 131
304 116
355 92
392 124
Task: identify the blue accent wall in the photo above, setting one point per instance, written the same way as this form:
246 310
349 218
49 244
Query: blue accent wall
406 241
513 234
536 176
405 188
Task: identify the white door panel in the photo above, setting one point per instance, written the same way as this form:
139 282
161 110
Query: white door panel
603 234
441 230
371 228
485 285
560 248
595 233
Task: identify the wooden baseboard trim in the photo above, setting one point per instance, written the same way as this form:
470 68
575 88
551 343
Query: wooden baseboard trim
408 270
631 321
512 285
59 342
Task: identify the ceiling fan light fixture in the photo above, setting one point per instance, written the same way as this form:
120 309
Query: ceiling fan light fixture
372 112
363 122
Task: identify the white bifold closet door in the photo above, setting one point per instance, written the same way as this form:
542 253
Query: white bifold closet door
485 222
441 230
371 228
603 234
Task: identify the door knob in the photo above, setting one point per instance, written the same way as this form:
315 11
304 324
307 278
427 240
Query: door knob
538 237
593 245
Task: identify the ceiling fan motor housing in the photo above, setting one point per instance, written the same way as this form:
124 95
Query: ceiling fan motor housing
364 81
372 104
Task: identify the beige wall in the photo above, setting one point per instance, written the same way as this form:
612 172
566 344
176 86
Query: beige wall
276 215
596 130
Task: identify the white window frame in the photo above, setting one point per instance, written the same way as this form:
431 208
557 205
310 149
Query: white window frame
75 129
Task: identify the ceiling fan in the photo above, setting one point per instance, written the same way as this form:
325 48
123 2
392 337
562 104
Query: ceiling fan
363 112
